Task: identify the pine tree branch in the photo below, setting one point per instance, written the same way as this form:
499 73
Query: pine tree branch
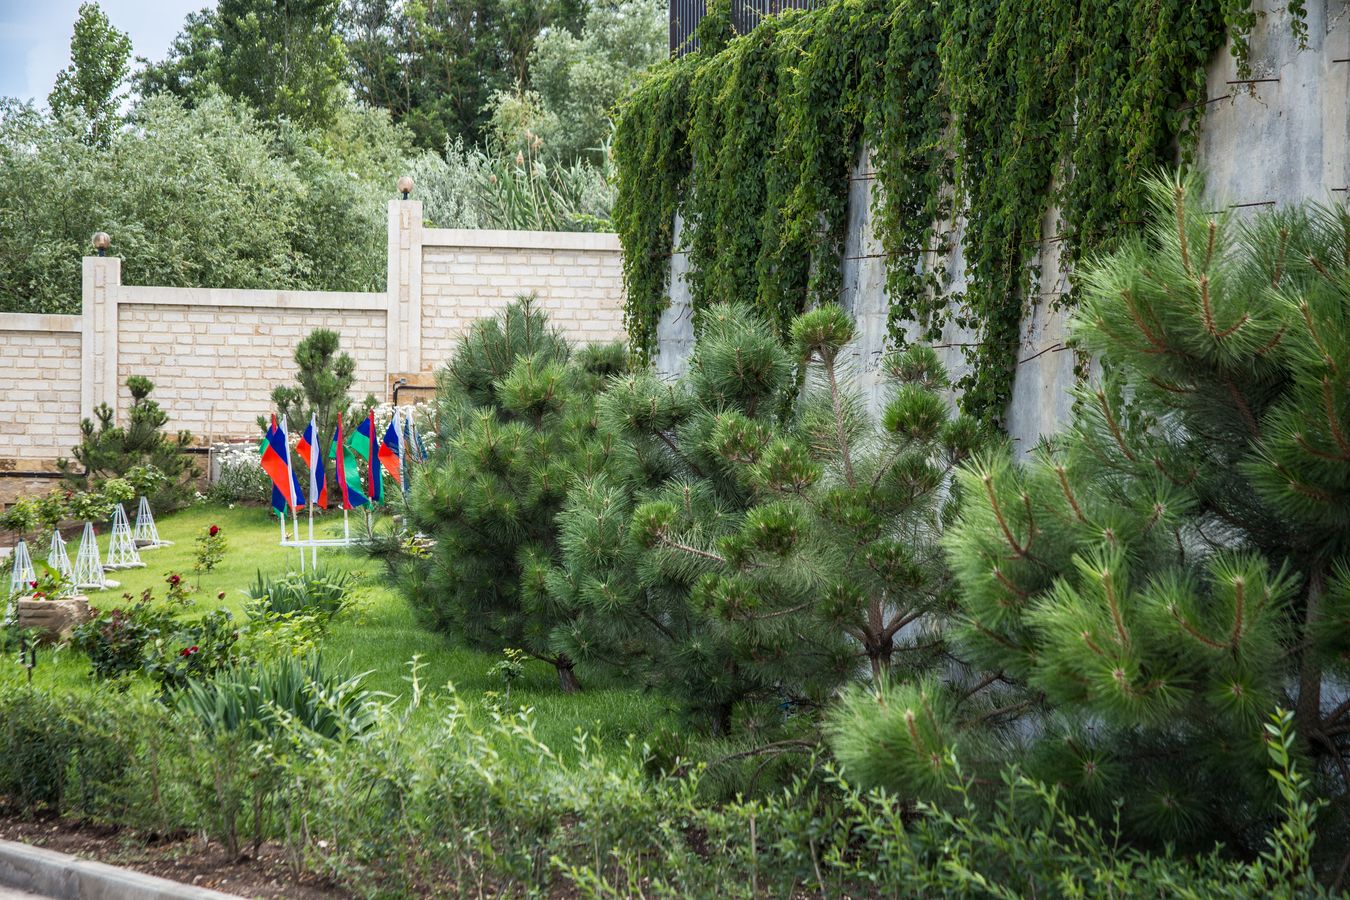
665 439
1193 631
1113 425
836 402
1068 495
1246 411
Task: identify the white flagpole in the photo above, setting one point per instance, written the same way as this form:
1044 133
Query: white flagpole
402 471
290 476
315 457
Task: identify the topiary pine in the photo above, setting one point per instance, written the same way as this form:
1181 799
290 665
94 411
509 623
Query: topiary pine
517 422
748 547
1156 581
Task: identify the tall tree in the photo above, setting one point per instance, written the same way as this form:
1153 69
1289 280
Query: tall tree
435 64
286 58
91 85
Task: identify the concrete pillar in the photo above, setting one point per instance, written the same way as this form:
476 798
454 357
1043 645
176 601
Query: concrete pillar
403 290
102 281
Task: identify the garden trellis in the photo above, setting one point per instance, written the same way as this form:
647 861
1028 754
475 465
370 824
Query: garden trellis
146 536
122 553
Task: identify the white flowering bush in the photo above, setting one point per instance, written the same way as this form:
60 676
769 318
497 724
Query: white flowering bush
238 475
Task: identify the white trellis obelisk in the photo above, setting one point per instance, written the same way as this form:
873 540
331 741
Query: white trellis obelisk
21 575
146 534
58 560
121 548
88 568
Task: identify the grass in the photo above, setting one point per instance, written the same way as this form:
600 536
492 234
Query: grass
379 635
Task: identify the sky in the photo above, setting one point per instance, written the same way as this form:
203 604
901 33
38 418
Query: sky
35 37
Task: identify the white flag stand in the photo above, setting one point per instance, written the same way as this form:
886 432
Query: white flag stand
58 559
88 568
146 536
121 548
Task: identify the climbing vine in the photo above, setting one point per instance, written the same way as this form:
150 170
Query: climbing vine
980 116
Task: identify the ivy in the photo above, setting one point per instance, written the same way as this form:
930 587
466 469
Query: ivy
981 116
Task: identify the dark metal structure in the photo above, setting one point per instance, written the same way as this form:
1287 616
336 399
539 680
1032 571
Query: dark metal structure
745 15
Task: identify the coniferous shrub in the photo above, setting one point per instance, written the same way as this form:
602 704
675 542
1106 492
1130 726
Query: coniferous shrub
517 427
108 450
1148 587
752 548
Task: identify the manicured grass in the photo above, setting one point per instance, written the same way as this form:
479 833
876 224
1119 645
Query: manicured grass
379 635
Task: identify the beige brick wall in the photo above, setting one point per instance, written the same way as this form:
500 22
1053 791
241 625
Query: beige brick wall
215 355
214 367
581 288
39 390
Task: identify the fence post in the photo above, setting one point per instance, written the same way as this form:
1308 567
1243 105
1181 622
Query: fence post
403 289
101 283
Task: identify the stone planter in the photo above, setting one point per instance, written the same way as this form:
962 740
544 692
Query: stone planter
54 619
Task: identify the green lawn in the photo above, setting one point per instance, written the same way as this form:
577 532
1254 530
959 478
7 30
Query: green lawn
379 635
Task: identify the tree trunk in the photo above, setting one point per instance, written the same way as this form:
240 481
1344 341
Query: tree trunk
567 679
1308 711
721 720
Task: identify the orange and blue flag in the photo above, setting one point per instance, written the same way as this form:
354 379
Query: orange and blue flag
391 456
276 463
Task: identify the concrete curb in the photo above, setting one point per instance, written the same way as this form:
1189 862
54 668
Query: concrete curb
65 877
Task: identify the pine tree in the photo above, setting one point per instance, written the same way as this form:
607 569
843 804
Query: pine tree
1149 586
108 450
517 426
750 547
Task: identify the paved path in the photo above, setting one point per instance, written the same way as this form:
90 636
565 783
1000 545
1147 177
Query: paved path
11 894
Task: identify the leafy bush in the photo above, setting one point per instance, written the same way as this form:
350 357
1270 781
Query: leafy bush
115 640
317 592
194 649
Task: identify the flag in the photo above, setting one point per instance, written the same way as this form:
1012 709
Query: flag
347 470
391 454
276 462
309 452
367 446
278 501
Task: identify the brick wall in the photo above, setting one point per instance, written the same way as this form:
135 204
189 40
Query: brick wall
469 275
215 355
215 363
39 390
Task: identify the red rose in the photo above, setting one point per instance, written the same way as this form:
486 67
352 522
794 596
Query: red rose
184 652
194 648
215 530
32 584
175 579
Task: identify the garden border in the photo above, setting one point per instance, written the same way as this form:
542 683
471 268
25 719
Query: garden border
65 877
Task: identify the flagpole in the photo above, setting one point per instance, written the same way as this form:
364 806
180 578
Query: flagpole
402 472
290 476
313 490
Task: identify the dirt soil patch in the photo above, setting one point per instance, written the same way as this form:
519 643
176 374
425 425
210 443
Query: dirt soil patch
182 858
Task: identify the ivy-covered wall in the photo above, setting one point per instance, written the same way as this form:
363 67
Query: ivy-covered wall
1005 142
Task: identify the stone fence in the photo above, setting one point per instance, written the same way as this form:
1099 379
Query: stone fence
215 355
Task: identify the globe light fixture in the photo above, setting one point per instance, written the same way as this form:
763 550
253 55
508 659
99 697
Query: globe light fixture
405 186
102 242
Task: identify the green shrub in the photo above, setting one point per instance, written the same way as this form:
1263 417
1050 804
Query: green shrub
317 592
115 640
257 700
193 650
